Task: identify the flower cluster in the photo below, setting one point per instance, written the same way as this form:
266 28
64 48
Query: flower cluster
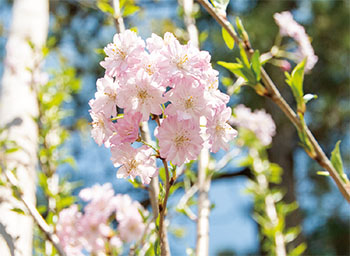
289 27
259 122
91 230
167 80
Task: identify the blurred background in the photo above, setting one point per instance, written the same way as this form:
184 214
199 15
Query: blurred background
81 30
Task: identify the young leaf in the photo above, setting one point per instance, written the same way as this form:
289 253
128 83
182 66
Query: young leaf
130 9
229 41
235 68
337 162
105 7
18 210
295 81
256 66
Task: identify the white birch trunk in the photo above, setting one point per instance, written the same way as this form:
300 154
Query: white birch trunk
17 100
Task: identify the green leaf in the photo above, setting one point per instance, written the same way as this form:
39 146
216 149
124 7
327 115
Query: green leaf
240 29
11 150
337 162
323 173
244 56
105 7
295 81
298 250
256 66
130 10
18 210
304 139
235 68
229 41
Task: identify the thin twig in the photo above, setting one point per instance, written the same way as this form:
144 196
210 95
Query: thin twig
164 245
275 96
39 220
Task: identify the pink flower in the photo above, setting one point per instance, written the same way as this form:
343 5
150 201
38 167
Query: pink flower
94 222
131 226
178 61
289 27
127 129
258 122
105 97
179 141
141 94
123 53
68 232
213 96
187 100
134 162
220 132
102 127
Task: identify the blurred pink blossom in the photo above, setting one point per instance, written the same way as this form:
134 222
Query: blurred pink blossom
259 122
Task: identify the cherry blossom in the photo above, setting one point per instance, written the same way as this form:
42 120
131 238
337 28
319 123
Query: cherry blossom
187 100
102 127
131 226
68 232
141 94
289 27
127 129
220 132
105 97
123 53
179 141
134 162
258 122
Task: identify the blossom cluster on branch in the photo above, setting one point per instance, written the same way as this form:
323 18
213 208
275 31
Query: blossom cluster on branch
91 231
163 79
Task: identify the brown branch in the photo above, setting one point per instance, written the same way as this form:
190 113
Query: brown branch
164 245
275 96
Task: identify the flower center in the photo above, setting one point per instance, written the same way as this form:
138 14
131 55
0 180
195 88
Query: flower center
142 94
149 69
189 102
180 140
182 61
132 165
119 52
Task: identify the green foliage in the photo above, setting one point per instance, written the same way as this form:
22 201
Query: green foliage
295 81
128 7
241 30
304 139
104 6
249 71
337 162
229 41
270 210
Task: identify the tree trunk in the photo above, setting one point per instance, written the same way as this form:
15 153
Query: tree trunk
18 102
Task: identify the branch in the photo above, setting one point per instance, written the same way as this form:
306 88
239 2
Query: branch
164 245
275 96
39 220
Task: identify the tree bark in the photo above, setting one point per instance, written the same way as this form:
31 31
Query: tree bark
18 102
